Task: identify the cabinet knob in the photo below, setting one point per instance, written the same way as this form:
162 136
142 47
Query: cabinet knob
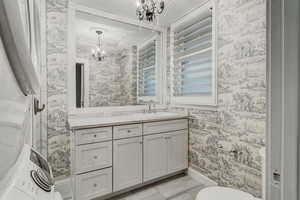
128 131
95 157
95 185
95 135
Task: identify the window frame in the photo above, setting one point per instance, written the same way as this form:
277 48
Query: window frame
197 100
156 98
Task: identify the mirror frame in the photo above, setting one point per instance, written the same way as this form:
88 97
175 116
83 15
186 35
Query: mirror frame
162 72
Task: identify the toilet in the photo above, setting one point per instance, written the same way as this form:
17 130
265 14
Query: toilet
226 193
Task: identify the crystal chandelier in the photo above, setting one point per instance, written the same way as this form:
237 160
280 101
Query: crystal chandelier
148 9
98 53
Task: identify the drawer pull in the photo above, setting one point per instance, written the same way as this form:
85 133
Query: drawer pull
95 157
95 185
95 135
128 131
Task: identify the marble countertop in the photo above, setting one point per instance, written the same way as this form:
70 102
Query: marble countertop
92 122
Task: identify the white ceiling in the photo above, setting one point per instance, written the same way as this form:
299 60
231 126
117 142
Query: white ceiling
127 8
114 32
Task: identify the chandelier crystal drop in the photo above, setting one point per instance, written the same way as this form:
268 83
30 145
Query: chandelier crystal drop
98 53
149 9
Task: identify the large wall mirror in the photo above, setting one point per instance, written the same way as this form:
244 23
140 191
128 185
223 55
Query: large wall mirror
115 63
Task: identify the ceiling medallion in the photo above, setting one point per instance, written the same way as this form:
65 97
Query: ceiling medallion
98 53
149 9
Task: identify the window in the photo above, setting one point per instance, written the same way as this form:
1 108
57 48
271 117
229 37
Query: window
193 70
147 62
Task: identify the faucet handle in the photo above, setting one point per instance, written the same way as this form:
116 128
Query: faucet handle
150 104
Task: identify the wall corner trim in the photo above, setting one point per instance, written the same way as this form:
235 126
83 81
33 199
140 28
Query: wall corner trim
200 177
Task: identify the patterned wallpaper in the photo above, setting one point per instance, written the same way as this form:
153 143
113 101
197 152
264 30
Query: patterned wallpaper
238 123
56 48
242 89
111 81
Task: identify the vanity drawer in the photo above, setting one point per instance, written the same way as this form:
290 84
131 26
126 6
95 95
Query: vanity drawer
127 131
86 136
94 184
165 126
93 156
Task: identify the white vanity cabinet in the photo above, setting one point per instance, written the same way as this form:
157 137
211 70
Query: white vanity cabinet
155 156
165 153
128 163
110 159
91 151
177 150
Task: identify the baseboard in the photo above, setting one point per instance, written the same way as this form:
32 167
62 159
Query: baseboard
201 178
64 188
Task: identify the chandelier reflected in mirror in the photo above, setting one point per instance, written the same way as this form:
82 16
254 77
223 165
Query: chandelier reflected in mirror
149 9
98 52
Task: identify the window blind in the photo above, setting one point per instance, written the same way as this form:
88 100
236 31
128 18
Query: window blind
147 63
192 55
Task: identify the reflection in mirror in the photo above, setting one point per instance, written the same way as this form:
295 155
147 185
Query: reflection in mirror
79 85
116 63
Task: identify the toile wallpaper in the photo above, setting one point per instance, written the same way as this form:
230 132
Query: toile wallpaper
111 81
238 123
56 53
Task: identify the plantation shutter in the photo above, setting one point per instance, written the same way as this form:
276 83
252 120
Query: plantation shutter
193 72
147 63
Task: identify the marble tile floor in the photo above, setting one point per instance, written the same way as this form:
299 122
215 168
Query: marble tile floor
181 187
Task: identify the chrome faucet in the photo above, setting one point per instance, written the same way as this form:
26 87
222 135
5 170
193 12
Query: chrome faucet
151 106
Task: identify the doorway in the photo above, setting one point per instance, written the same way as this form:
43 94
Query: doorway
283 79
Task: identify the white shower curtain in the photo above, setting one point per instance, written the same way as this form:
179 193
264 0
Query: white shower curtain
14 116
19 66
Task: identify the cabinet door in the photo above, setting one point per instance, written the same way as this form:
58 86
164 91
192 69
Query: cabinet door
93 184
177 150
128 163
155 156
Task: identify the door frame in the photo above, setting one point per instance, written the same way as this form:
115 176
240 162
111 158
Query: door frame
283 81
